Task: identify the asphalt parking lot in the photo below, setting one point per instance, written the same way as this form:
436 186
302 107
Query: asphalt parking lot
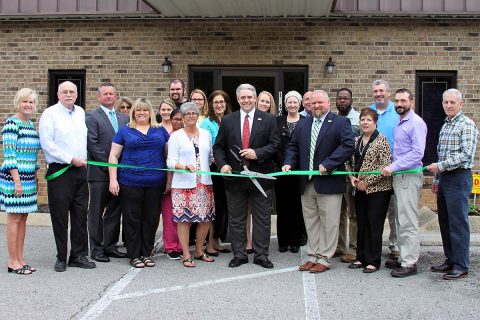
213 291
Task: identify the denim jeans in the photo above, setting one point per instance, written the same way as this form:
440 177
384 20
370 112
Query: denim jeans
452 202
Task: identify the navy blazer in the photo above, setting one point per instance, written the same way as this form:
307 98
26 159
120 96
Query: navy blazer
99 141
335 145
264 139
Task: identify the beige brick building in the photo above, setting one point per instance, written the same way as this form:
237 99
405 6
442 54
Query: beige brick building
129 53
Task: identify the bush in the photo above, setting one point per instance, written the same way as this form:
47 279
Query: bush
472 209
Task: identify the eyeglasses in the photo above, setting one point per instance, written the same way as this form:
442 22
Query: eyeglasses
70 92
219 102
177 119
191 114
197 99
126 107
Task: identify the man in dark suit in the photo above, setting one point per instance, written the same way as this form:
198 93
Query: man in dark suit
324 142
104 212
255 133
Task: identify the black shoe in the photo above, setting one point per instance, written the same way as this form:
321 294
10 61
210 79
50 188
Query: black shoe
455 275
212 254
444 267
60 265
174 255
100 257
283 248
392 264
303 240
294 249
403 272
116 254
81 262
237 262
264 263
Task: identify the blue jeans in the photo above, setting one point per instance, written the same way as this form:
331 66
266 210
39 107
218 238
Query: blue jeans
452 202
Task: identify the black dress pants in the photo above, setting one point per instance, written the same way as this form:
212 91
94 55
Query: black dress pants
104 215
68 195
237 220
221 208
371 210
290 223
140 218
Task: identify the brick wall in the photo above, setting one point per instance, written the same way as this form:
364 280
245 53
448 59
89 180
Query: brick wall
129 53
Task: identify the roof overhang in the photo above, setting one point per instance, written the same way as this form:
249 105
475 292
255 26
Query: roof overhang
241 8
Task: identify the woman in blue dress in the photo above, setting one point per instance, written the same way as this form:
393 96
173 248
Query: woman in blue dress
140 143
18 176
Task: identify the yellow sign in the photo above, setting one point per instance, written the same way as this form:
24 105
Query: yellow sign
476 183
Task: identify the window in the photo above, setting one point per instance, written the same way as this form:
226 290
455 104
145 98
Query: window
55 77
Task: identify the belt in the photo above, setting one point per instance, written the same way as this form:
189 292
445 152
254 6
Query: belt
454 171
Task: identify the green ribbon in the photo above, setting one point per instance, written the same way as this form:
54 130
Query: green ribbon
273 174
336 173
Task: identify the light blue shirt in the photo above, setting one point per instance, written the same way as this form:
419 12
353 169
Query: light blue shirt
212 127
387 122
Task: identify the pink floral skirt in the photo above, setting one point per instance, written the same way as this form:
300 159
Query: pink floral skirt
193 205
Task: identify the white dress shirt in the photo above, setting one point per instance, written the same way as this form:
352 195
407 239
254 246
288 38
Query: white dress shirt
251 114
63 134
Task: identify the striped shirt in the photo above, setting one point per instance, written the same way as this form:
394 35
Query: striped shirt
457 143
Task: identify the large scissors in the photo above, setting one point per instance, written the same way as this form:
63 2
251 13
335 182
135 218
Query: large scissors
235 150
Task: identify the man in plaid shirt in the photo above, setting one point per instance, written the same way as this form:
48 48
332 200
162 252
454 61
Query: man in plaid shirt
456 150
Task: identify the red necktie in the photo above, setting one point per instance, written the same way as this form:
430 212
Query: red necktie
245 133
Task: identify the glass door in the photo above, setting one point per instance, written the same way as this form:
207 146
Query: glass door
274 79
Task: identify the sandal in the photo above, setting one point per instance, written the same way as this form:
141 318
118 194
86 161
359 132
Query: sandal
204 258
355 265
148 261
21 271
137 263
27 267
188 263
369 269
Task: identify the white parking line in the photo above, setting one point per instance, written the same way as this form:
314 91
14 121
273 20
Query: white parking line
202 284
105 301
310 293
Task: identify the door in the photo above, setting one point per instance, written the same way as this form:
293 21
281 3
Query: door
261 80
276 80
429 89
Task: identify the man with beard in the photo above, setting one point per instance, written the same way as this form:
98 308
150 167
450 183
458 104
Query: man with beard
387 121
410 138
177 92
307 108
347 250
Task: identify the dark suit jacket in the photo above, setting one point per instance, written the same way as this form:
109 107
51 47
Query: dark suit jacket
264 139
335 145
99 141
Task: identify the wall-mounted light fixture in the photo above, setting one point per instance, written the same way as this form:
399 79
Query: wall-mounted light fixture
330 66
166 65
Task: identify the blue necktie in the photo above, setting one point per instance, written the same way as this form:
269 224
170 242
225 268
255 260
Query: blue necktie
113 120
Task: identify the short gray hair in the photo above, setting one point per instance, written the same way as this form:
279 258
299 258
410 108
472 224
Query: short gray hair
454 91
246 86
189 106
380 82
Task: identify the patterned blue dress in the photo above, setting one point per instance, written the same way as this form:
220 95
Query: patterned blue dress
21 144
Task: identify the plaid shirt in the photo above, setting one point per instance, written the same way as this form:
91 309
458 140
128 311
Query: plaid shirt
457 143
